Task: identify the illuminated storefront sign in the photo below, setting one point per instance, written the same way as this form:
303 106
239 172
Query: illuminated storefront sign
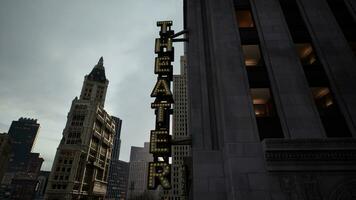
160 140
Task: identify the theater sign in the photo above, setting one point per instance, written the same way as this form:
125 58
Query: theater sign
160 140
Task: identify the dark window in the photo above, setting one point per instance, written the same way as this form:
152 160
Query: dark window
345 20
247 29
266 115
268 122
335 125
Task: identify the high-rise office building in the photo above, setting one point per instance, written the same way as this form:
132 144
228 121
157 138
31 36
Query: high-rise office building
80 168
118 180
138 172
20 177
118 171
117 140
22 133
272 98
179 152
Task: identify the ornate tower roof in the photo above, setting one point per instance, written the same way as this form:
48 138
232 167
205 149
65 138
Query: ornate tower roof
98 72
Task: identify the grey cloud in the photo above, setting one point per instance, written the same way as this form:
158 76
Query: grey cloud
47 46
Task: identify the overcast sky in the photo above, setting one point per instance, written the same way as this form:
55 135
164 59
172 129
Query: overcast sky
48 46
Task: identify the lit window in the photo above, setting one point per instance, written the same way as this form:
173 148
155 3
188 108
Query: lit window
244 19
306 53
262 103
252 55
322 97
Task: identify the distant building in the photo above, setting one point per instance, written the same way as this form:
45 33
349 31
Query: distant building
23 186
23 135
118 180
119 170
4 153
138 172
179 152
41 186
117 140
19 180
80 168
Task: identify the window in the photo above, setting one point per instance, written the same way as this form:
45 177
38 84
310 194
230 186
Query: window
262 102
252 55
247 29
333 120
267 119
306 53
322 97
244 18
266 115
257 72
331 117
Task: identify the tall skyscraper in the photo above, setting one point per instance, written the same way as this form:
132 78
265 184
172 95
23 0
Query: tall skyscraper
117 140
19 180
272 98
118 180
119 170
23 135
138 172
80 168
179 152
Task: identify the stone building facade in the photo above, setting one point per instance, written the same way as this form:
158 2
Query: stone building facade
272 98
80 168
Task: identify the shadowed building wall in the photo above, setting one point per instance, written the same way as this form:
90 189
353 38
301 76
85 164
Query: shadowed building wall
271 98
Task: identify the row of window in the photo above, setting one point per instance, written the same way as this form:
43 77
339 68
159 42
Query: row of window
58 186
266 115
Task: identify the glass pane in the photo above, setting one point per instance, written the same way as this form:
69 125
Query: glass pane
252 55
244 19
322 97
306 53
262 103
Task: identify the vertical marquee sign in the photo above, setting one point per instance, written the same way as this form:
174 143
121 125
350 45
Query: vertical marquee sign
160 140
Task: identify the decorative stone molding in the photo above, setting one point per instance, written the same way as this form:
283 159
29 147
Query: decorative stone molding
310 154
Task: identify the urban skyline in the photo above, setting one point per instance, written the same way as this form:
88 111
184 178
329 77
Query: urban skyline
63 41
263 106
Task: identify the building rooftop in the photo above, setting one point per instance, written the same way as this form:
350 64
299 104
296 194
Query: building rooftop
98 72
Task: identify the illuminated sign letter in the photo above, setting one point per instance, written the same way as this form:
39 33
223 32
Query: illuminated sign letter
164 45
159 143
165 26
163 110
159 171
161 89
163 65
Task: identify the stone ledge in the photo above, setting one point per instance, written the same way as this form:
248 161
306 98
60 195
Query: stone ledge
310 154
